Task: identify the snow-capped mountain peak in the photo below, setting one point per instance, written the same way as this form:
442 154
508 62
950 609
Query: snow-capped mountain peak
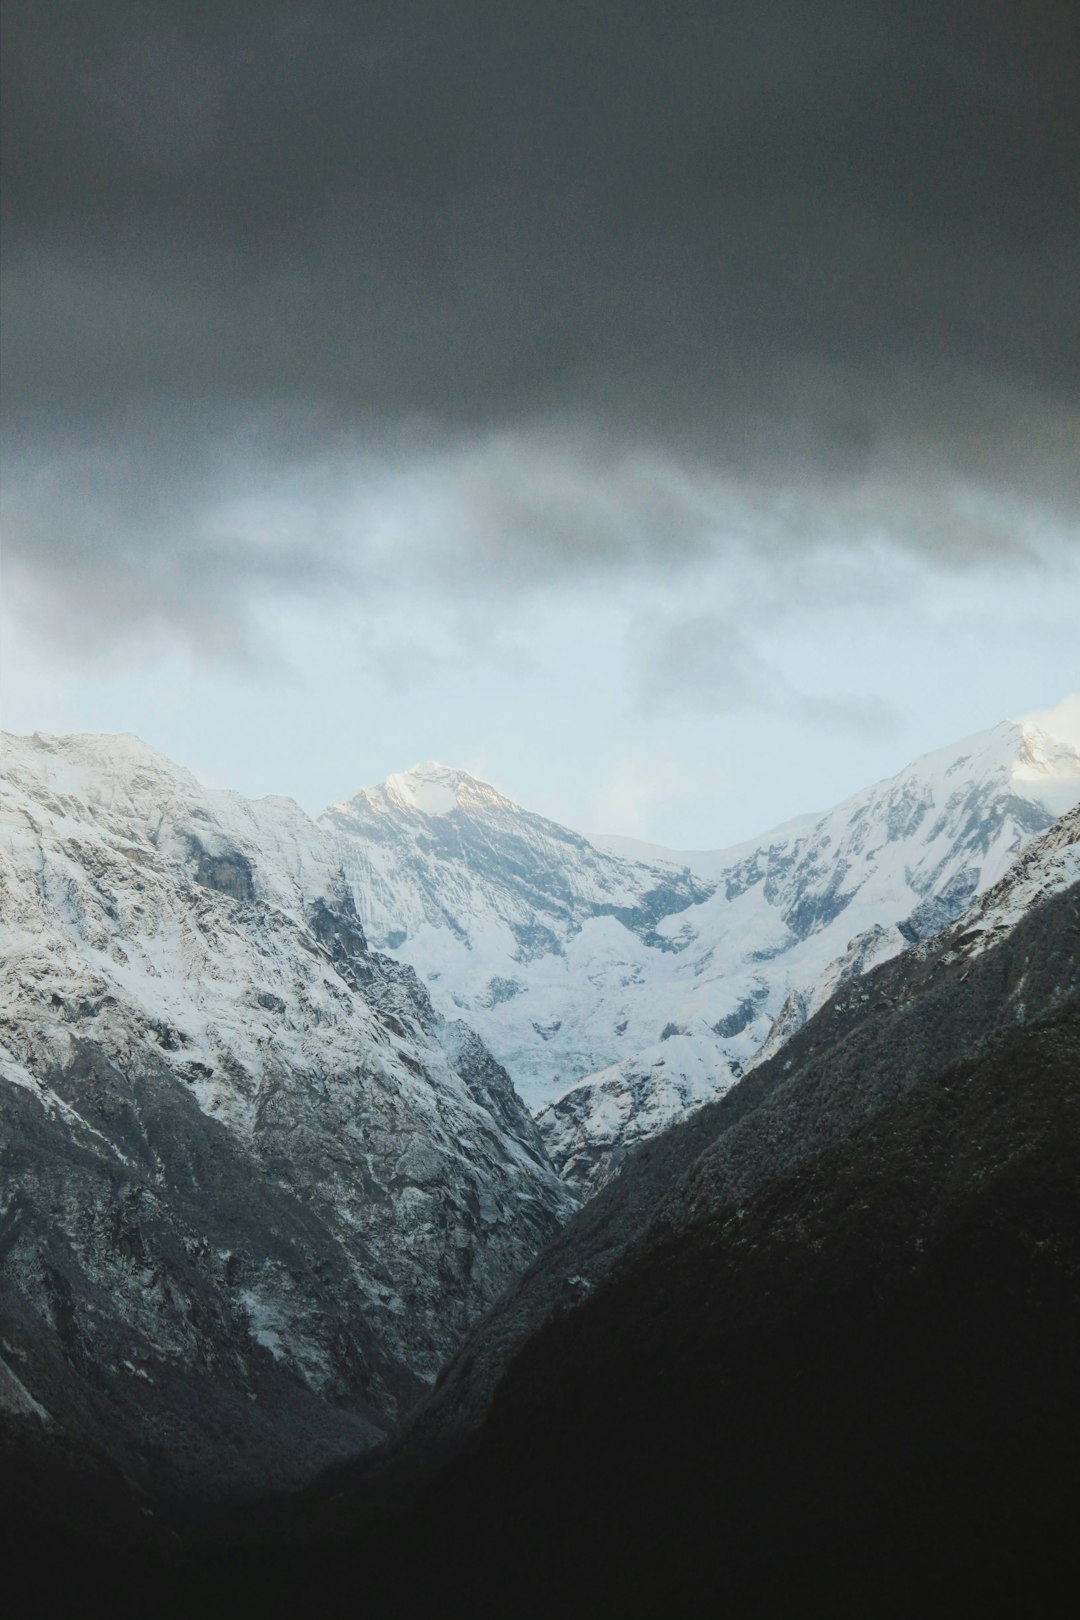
266 1156
1051 762
431 789
620 991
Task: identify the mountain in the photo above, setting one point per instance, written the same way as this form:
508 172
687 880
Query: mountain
521 922
253 1188
811 1350
621 992
1009 960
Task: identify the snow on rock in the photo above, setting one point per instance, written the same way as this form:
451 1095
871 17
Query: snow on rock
434 790
1049 864
243 1158
516 924
621 985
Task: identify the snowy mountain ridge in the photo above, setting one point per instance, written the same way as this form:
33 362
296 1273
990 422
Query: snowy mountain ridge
255 1182
243 1158
619 992
433 790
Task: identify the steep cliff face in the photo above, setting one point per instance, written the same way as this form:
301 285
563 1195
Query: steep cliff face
621 993
253 1188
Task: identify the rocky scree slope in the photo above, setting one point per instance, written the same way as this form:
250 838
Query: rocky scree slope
1011 961
621 993
253 1189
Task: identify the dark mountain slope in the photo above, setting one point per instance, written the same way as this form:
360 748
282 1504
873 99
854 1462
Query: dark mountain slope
906 1021
852 1394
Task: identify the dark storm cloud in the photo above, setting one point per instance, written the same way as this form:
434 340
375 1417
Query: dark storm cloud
777 243
139 540
471 211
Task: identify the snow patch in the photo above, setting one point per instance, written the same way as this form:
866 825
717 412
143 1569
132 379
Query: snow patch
264 1323
16 1398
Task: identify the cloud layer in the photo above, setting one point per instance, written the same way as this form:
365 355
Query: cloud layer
514 297
671 216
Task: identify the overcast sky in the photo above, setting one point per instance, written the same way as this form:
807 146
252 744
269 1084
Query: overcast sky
671 412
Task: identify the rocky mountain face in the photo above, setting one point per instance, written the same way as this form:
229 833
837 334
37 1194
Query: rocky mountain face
253 1187
1009 963
851 1393
619 993
525 927
810 1347
811 1350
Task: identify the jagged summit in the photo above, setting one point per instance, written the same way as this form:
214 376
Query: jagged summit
428 789
620 991
1035 758
269 1183
1047 759
107 756
103 745
1031 756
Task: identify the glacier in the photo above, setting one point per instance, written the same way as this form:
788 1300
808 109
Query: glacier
622 985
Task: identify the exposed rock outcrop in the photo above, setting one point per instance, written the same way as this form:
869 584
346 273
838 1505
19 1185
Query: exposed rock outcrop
253 1189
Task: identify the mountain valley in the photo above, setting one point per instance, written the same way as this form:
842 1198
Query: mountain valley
276 1220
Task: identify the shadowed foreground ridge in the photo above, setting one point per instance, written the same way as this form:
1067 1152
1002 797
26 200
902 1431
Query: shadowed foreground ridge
855 1393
